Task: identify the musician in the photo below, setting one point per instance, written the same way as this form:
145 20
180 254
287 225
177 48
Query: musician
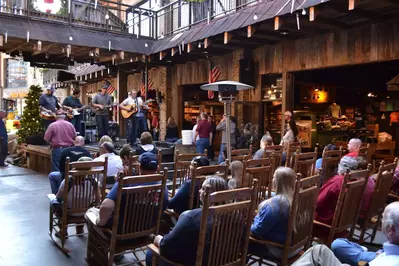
73 101
49 103
101 102
137 122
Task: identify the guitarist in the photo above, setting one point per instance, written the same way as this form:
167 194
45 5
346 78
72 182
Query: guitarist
137 123
73 101
50 104
100 102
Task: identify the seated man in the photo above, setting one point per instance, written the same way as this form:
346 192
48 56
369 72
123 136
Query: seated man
74 153
146 144
148 166
92 189
264 142
329 193
115 164
354 147
352 253
179 203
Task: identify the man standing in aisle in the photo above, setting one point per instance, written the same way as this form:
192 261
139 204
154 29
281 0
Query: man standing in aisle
102 102
137 123
3 140
73 102
60 135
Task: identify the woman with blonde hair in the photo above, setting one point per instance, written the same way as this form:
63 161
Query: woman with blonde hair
236 169
271 222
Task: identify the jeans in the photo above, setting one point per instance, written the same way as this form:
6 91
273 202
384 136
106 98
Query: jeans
3 149
142 124
102 123
55 181
221 156
155 134
55 159
350 253
76 122
202 144
172 140
132 129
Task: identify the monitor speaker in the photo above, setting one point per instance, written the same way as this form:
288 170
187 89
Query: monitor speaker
247 75
64 76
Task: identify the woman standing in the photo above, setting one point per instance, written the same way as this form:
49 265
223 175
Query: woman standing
291 130
172 131
204 132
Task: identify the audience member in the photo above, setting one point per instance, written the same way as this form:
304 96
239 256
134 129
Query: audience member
328 147
60 135
125 157
172 131
354 147
148 166
90 187
103 139
146 144
222 127
395 181
73 153
290 131
115 164
3 140
236 169
329 193
204 132
271 222
179 203
265 141
195 128
352 253
211 152
181 244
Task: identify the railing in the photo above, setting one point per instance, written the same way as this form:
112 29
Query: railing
114 16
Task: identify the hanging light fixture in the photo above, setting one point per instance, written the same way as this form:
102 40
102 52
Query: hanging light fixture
70 38
27 36
255 17
106 16
304 12
39 45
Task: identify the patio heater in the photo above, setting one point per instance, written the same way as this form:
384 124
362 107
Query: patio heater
228 91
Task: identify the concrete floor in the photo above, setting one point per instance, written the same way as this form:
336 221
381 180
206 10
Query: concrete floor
24 218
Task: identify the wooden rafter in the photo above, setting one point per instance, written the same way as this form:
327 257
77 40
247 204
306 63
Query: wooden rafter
45 49
277 23
190 47
19 47
227 37
207 43
162 55
312 14
250 31
173 51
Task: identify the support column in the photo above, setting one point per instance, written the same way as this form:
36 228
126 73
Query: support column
122 94
288 96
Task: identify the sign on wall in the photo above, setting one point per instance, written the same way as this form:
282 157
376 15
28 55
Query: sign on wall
16 74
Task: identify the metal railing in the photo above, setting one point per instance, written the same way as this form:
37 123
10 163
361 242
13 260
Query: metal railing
114 16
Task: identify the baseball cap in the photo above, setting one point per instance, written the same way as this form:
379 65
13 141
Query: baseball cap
201 161
148 161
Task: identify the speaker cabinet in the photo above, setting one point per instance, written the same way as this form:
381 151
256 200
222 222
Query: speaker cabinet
247 75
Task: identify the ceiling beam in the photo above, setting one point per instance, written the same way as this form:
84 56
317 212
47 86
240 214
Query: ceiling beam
357 11
45 49
19 47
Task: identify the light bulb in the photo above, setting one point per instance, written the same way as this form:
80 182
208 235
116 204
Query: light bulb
146 44
199 45
106 16
71 38
303 12
255 17
131 59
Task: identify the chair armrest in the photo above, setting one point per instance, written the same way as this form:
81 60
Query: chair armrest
265 242
51 197
321 224
155 250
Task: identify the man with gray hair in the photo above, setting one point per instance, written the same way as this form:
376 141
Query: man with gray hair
74 153
352 253
265 141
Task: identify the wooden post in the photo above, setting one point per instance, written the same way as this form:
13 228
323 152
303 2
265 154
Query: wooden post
287 98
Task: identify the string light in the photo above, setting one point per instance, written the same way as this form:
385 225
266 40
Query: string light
255 17
71 38
304 12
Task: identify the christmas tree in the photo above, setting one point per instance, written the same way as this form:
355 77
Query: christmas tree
31 121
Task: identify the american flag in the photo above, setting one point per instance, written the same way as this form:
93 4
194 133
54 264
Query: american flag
150 84
214 74
110 88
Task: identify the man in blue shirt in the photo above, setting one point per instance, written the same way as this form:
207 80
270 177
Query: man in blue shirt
352 253
3 140
74 102
148 166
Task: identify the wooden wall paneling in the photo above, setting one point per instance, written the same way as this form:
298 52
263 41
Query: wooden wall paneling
288 101
329 48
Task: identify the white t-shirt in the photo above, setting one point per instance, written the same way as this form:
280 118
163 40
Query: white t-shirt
130 101
194 131
115 164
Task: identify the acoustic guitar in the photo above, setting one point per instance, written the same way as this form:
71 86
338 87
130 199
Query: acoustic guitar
133 109
52 116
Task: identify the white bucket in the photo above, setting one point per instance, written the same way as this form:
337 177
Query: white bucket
187 137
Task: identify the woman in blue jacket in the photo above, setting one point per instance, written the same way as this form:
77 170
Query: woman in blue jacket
271 222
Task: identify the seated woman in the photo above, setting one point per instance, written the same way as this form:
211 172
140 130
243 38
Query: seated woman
93 189
264 142
236 169
181 244
179 203
271 222
146 144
